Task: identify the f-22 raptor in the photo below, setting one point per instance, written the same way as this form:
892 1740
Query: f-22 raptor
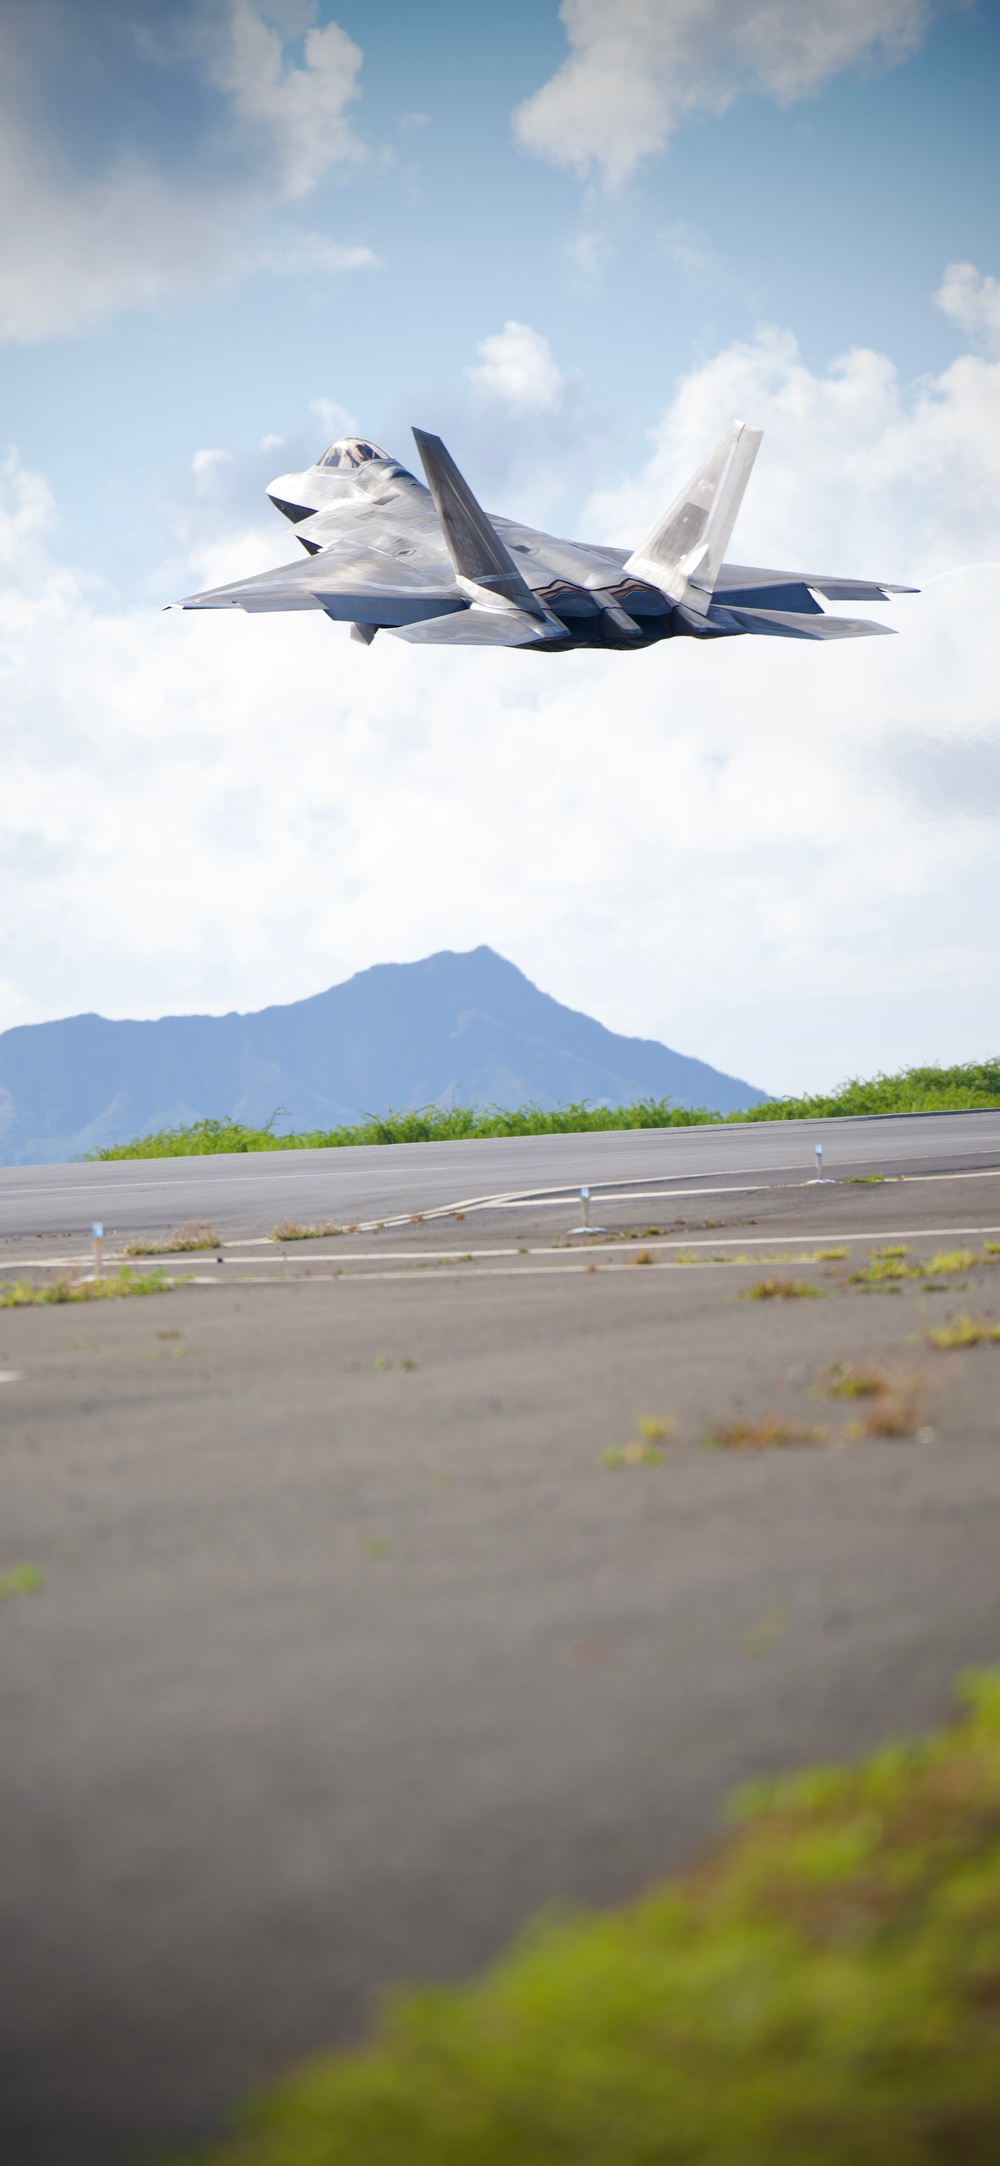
384 551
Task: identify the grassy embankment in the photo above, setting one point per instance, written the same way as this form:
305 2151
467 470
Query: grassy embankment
915 1090
824 1991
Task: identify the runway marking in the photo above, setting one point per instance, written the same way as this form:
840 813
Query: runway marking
604 1193
679 1140
344 1257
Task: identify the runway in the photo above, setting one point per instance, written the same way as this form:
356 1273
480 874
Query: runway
246 1196
349 1648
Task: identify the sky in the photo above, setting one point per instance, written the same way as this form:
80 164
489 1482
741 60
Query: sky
575 241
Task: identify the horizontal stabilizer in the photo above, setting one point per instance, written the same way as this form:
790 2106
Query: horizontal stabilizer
474 545
791 624
765 589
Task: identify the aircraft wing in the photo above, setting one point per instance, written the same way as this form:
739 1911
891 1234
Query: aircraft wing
349 582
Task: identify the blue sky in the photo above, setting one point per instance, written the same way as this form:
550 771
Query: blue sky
570 241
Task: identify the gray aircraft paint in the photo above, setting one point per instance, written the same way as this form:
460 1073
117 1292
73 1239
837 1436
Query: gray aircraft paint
427 563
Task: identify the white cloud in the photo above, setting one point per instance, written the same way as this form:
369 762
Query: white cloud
302 112
82 239
637 67
745 850
973 302
857 472
516 366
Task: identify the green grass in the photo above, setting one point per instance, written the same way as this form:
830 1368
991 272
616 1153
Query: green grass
19 1579
914 1090
22 1295
824 1991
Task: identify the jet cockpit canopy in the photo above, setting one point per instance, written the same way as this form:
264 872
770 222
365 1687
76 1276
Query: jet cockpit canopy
351 451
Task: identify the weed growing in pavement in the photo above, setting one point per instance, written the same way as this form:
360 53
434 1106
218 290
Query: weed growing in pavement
895 1408
645 1256
855 1383
830 1255
117 1283
768 1628
645 1450
19 1579
886 1270
653 1429
863 1180
377 1547
737 1436
781 1290
900 1250
892 1414
290 1230
992 1248
964 1331
184 1242
956 1259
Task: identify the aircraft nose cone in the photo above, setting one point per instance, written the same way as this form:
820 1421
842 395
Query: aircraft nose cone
286 493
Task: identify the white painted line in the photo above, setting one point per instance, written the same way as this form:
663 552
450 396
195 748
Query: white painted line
345 1257
11 1376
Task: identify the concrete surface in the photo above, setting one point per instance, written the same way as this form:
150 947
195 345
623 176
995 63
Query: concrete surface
248 1195
351 1651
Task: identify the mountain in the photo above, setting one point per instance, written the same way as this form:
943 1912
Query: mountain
469 1027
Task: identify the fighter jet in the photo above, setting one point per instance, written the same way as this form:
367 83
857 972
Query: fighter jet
386 552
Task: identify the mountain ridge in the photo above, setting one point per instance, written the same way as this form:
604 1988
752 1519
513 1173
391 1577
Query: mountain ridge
468 1026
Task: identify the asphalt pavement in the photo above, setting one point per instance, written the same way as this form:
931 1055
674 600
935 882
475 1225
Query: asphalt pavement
351 1649
249 1194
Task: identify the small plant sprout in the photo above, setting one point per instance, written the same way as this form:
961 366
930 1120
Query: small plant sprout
377 1547
891 1414
653 1430
992 1248
735 1436
19 1579
955 1259
185 1241
632 1455
830 1255
768 1628
966 1330
855 1383
886 1271
901 1250
290 1230
644 1450
645 1256
781 1290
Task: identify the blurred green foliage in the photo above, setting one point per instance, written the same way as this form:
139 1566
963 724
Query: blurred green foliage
22 1294
915 1090
824 1991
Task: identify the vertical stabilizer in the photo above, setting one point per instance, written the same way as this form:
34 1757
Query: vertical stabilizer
683 555
474 545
